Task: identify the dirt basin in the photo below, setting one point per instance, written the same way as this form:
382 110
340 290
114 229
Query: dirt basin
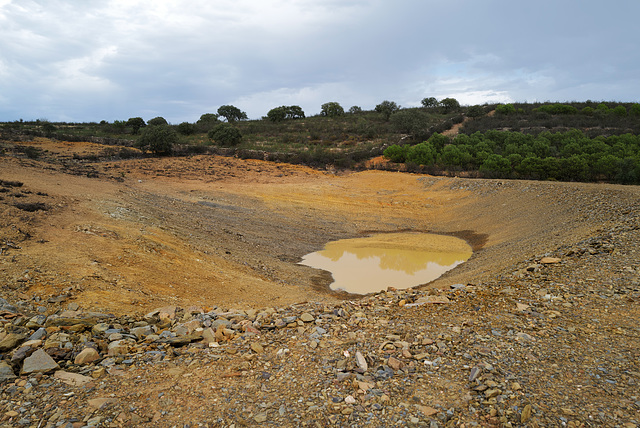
133 235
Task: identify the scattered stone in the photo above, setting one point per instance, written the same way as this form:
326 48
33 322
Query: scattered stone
11 341
99 403
361 361
6 372
73 379
260 417
257 348
307 317
526 414
87 355
39 362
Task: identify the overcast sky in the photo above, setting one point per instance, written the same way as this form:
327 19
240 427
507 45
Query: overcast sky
89 60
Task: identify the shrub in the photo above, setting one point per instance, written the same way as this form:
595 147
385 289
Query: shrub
439 141
186 128
505 109
475 111
620 111
207 121
355 109
422 154
135 123
225 135
157 121
396 153
157 139
387 108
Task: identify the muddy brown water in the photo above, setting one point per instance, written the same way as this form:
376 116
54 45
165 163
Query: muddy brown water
399 260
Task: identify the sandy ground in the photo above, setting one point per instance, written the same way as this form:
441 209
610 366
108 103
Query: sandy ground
510 339
132 235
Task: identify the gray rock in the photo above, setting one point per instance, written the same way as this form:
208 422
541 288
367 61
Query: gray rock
142 332
39 362
6 372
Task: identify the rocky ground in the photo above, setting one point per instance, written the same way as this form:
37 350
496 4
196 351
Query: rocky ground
538 328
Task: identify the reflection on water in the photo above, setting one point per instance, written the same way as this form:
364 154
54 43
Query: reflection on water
400 260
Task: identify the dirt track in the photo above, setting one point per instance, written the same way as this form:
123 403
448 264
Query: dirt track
130 236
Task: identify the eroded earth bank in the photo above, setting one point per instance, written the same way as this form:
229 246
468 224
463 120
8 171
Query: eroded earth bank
165 292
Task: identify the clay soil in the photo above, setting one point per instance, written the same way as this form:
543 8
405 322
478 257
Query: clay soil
129 236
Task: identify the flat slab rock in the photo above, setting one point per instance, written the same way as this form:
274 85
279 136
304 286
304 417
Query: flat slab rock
39 362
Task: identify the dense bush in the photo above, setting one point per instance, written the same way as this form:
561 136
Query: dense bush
225 135
158 139
387 108
157 121
278 114
570 155
331 109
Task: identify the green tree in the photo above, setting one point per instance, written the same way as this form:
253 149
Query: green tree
331 109
186 128
225 135
505 109
635 109
412 121
281 113
620 111
135 123
452 156
608 166
439 141
355 110
475 111
429 102
295 112
449 105
207 121
277 114
397 153
157 121
574 167
387 108
158 139
231 113
496 166
628 171
422 154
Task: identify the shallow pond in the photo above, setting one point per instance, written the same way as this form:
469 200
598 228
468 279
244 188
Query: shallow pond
400 260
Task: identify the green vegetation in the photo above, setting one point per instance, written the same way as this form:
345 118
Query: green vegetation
332 109
588 141
278 114
158 139
232 113
225 135
570 156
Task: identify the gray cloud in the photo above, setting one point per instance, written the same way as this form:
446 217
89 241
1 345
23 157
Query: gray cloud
94 60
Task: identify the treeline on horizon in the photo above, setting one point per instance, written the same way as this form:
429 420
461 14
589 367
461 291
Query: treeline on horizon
577 141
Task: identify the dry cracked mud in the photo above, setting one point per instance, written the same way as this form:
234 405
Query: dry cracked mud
538 328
